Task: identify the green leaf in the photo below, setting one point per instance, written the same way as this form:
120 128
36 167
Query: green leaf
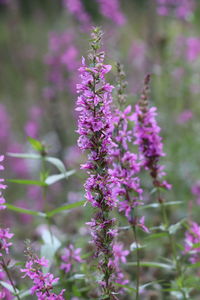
57 163
48 250
64 208
28 182
9 287
24 155
57 177
25 211
156 235
155 205
37 145
151 264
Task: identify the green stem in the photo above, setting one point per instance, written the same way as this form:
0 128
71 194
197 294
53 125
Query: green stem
4 265
171 242
138 263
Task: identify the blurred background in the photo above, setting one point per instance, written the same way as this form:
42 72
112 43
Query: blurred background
41 45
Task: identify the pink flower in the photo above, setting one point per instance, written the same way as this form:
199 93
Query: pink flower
111 10
42 283
185 116
192 239
71 256
5 236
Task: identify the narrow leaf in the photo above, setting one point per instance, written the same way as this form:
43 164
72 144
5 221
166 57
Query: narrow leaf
9 287
64 208
37 145
57 177
24 155
25 211
28 182
155 205
57 163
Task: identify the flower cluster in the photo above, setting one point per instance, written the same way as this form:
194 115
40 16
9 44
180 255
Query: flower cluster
125 164
42 283
182 9
95 129
5 244
62 61
70 256
192 241
77 10
118 258
111 10
146 132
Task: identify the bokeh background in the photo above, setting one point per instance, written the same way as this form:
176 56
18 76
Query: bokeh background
41 45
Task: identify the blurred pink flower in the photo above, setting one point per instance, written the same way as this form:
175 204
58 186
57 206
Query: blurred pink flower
184 116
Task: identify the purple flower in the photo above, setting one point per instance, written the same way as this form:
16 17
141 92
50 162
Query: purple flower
146 132
62 61
77 10
5 244
185 116
111 10
95 130
196 191
182 9
42 283
192 240
70 256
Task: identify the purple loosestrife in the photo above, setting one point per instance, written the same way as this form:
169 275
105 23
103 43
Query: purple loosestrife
42 282
95 129
181 9
62 60
146 132
70 256
125 164
77 10
111 10
192 242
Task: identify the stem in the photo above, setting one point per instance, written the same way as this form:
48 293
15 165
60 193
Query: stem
138 263
171 242
9 278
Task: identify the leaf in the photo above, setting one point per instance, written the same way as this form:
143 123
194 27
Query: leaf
25 211
23 294
64 208
57 177
56 162
155 205
9 287
48 250
28 182
53 160
151 264
37 145
175 227
24 155
156 235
